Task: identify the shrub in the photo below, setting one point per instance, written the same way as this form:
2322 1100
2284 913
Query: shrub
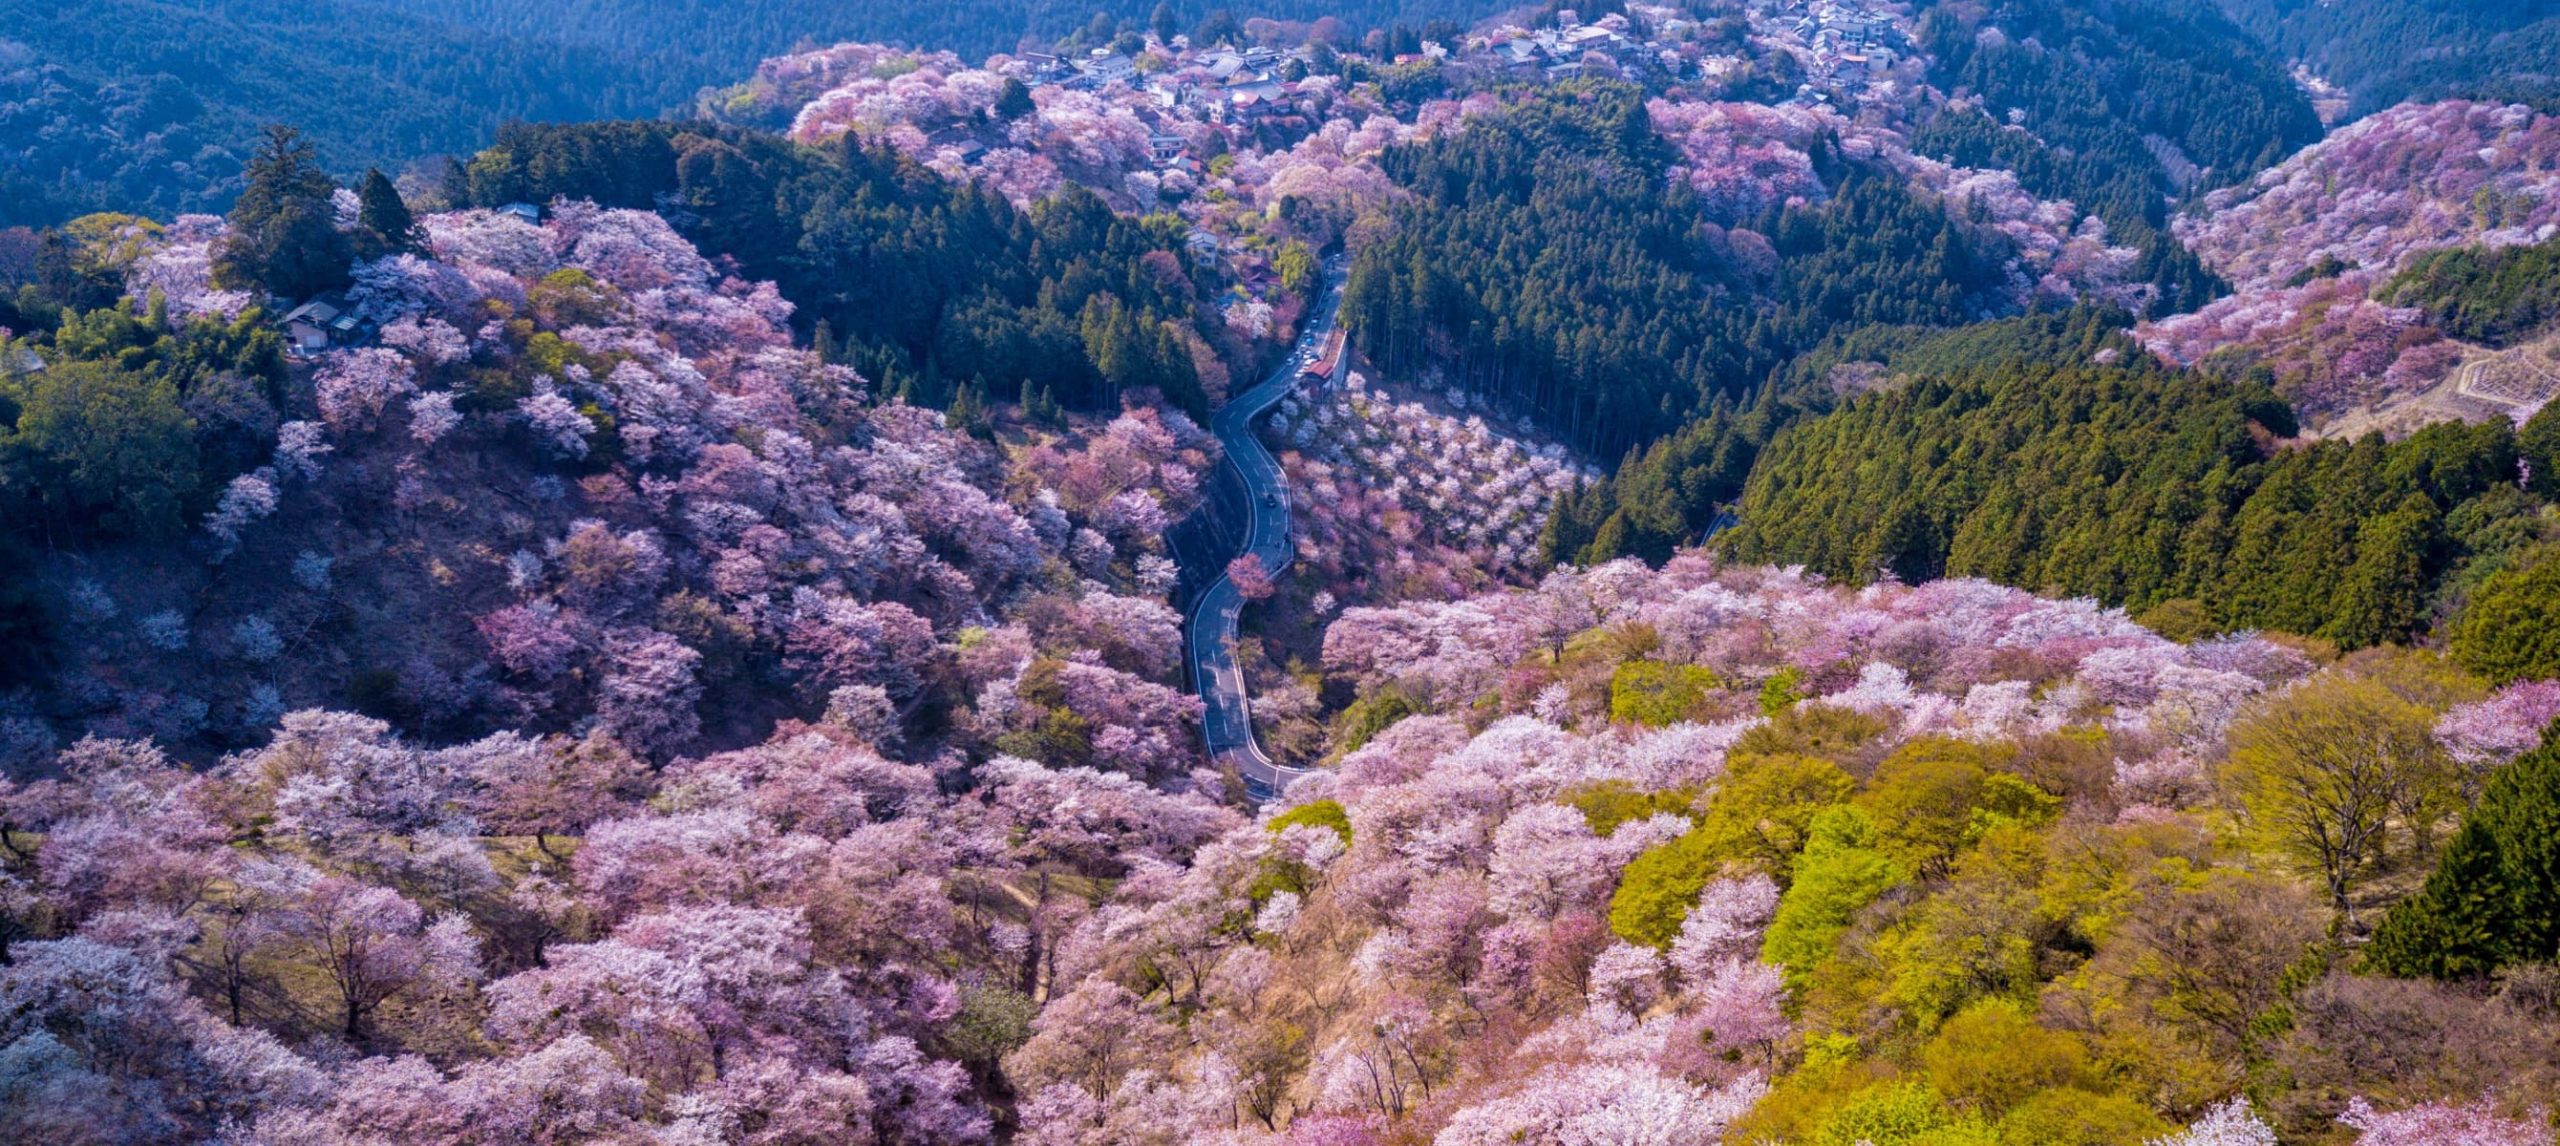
1605 804
1655 694
1319 814
1832 732
1371 715
1991 1056
2079 1118
1899 1114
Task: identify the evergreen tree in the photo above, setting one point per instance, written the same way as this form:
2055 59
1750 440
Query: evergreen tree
2138 484
453 183
1014 101
2539 444
284 234
1219 27
2510 630
382 213
2494 898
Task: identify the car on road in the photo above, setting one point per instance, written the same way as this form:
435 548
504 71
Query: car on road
1270 497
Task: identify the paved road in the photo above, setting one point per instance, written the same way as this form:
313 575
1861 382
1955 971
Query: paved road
1227 720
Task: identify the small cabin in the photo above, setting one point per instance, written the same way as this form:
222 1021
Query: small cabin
325 322
525 211
1328 359
1108 67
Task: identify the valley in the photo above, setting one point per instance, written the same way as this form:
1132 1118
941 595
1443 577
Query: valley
1740 572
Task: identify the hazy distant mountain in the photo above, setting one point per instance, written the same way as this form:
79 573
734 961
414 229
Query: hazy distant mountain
148 106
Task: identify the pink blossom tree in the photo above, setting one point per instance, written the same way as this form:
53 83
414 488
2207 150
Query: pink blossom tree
2441 1124
370 945
2231 1124
354 386
650 690
1250 578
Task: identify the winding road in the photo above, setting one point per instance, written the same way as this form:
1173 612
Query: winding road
1226 721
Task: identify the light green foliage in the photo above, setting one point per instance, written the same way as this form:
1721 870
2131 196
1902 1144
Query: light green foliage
1758 817
1371 715
993 1020
1605 804
1900 1114
1976 935
2320 772
1655 694
1842 870
571 297
1992 1056
1840 735
1778 692
1928 799
1280 872
1317 814
2009 799
2181 619
1297 266
95 444
2080 1118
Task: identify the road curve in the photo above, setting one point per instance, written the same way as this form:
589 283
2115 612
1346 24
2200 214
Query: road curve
1226 719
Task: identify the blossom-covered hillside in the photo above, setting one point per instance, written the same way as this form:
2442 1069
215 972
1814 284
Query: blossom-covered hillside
1683 855
1406 501
2409 179
731 629
1711 853
585 481
2308 243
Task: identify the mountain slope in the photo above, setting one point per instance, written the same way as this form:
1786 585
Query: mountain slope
2386 51
150 105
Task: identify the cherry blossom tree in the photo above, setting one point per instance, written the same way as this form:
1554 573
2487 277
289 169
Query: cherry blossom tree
650 689
1727 923
432 416
2440 1124
249 497
544 788
1090 1038
371 944
838 641
2231 1124
536 639
556 424
1603 1103
1251 580
354 386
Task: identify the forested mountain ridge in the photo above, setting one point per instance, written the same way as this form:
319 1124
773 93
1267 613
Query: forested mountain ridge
2387 51
130 106
2123 107
151 107
1062 297
1550 261
2137 485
